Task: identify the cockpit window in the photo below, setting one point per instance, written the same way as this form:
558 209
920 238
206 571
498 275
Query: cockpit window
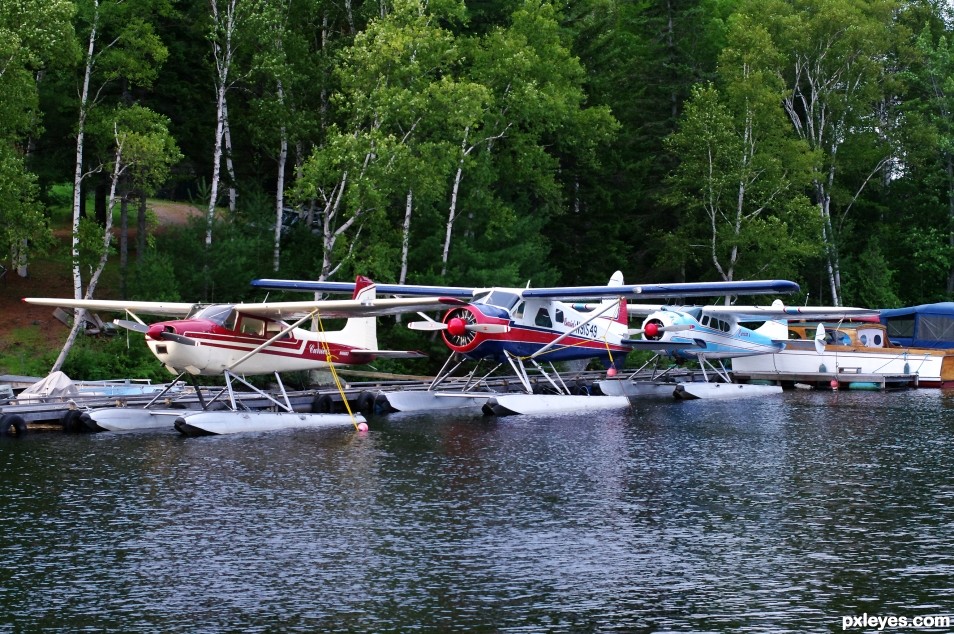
500 299
219 313
543 319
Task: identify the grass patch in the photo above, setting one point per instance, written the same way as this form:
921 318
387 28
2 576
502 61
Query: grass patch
23 353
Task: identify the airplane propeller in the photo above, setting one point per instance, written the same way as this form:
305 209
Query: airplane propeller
820 339
144 328
460 325
654 329
131 325
171 336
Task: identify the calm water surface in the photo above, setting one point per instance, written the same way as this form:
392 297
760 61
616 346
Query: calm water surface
783 514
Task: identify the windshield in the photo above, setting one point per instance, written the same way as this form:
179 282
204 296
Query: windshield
219 313
501 299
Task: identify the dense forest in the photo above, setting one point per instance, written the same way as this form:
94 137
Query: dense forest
485 142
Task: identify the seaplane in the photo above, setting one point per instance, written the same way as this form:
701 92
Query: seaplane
709 335
531 329
237 340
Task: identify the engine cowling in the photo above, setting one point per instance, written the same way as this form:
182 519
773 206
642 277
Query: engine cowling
457 335
653 329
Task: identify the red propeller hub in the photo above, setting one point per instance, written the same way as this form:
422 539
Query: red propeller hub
155 331
457 326
651 330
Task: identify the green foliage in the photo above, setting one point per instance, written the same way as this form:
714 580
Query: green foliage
154 279
870 279
220 273
91 242
96 358
60 195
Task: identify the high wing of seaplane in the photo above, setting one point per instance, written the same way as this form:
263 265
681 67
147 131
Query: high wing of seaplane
530 326
710 334
232 340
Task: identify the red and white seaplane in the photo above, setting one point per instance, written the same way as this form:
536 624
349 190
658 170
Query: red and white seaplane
531 327
233 340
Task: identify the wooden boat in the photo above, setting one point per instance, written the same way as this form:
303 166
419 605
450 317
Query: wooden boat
861 348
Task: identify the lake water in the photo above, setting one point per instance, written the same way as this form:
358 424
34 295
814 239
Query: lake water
780 514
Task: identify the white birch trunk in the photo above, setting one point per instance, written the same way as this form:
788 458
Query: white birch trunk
222 53
452 212
79 315
78 190
216 165
80 140
280 187
406 236
229 164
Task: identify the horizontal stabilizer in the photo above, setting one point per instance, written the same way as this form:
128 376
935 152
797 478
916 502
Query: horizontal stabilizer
391 354
647 344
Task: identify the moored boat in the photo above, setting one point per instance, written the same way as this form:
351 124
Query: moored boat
849 349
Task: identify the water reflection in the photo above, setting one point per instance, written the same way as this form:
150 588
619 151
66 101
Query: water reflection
782 514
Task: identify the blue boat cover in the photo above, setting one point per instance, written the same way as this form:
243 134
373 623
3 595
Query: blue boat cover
924 326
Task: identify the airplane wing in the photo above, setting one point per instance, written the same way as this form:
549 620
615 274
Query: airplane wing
275 310
172 309
755 313
348 287
696 289
779 311
347 307
677 289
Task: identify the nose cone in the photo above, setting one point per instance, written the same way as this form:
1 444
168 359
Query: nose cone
456 326
155 331
651 329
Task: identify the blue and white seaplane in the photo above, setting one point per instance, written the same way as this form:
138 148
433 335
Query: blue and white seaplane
709 335
531 329
234 340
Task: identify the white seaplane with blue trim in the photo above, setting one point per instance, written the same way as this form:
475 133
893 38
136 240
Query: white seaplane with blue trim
708 335
235 340
530 329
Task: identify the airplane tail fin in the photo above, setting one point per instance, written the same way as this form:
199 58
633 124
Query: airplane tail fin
774 329
621 315
361 332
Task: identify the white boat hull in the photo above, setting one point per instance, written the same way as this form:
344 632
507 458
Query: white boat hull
927 365
699 389
423 400
131 419
230 422
506 404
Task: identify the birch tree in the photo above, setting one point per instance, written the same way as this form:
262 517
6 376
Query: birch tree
741 167
142 153
119 45
228 16
835 70
389 80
